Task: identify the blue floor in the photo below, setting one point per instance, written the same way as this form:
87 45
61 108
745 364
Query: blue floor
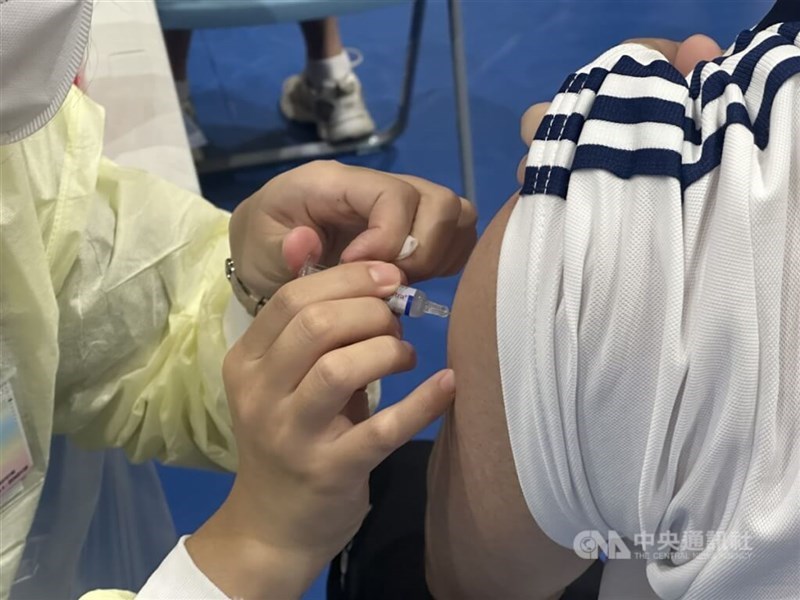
518 52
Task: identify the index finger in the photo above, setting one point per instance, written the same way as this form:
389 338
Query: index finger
387 205
436 227
364 446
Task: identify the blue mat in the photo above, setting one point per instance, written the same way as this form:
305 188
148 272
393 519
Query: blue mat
518 53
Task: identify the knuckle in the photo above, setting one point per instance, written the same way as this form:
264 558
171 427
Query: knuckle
408 192
287 301
334 371
448 196
309 470
283 439
318 469
454 207
315 322
470 213
323 166
324 171
447 202
399 352
386 435
385 319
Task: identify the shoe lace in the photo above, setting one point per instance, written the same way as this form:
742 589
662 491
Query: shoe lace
355 55
337 88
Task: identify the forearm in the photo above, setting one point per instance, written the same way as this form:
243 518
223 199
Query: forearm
234 551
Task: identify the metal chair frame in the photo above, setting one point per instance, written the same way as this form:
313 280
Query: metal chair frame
384 137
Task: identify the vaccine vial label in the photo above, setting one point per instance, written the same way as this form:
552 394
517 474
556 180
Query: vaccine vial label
400 302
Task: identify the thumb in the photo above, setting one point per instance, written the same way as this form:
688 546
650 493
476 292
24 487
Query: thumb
694 50
300 244
277 260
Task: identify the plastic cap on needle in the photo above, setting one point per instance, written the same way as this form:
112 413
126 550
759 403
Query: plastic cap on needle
439 310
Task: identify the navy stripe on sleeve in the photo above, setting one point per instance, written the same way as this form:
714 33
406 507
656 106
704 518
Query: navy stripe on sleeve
790 30
713 146
561 127
714 86
628 163
691 133
665 162
697 82
632 111
777 77
743 41
627 66
546 180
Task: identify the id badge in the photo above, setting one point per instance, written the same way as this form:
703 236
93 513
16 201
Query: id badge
15 454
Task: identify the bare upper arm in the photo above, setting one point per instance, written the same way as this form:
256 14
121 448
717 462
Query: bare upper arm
481 540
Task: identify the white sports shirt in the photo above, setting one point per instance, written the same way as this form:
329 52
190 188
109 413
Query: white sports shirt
648 317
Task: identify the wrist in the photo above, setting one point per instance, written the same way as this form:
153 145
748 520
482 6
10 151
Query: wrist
239 557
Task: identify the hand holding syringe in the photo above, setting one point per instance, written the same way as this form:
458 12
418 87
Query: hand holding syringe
406 300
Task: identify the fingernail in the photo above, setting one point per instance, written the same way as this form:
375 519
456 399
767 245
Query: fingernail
447 381
409 245
385 274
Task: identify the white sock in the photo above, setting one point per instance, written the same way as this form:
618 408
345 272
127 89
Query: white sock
182 87
334 68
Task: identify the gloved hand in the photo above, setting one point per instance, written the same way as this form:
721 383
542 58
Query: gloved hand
301 489
684 56
326 211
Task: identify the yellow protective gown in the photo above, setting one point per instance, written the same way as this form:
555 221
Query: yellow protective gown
111 300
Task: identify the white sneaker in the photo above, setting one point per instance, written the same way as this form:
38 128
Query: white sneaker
337 107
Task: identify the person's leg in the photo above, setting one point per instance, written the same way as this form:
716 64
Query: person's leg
327 93
326 58
322 38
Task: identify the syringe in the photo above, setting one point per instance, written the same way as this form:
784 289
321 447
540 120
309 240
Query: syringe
406 300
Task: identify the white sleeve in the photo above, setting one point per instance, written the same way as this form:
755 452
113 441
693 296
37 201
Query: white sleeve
235 321
178 578
648 294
